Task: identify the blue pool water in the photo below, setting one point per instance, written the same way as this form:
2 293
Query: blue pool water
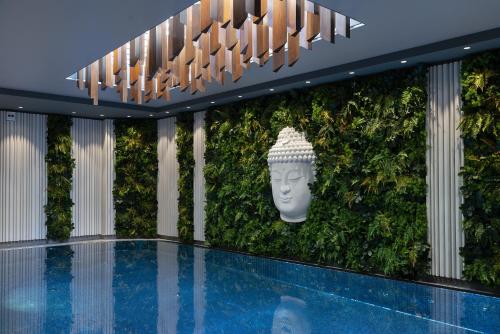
156 286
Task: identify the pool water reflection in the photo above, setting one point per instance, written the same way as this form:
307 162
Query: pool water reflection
157 286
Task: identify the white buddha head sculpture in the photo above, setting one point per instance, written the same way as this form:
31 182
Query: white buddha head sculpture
291 165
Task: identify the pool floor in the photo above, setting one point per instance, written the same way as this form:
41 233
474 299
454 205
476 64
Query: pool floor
164 287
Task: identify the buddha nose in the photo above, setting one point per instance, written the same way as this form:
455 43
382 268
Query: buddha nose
285 188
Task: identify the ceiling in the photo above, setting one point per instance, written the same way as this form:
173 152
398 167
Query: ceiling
43 42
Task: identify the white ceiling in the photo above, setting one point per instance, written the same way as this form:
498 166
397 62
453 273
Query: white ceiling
43 42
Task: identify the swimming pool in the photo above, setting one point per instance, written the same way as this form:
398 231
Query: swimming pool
164 287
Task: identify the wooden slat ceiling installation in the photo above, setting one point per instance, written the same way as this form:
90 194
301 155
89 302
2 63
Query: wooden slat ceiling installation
207 39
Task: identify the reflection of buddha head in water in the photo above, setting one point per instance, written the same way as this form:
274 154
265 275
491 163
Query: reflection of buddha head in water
291 317
291 165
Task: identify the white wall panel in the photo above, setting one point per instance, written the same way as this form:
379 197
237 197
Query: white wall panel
168 177
444 160
199 178
23 177
87 192
22 290
108 178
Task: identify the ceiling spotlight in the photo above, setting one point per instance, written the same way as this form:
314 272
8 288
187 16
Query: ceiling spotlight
308 82
271 89
239 96
167 112
188 107
73 112
101 115
352 73
212 102
404 61
467 48
150 115
128 116
19 107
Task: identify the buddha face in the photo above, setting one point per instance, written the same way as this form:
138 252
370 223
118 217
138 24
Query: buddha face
290 186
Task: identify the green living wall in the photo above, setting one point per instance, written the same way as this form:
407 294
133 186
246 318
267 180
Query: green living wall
60 165
184 140
369 207
481 173
136 168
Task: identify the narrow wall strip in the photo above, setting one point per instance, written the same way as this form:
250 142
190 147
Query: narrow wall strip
199 178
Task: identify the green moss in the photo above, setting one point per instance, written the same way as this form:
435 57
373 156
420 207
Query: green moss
136 168
60 167
368 212
481 172
184 130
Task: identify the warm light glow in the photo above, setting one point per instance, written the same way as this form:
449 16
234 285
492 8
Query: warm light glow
209 39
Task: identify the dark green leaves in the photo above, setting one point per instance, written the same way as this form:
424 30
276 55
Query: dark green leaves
481 172
136 168
60 166
368 211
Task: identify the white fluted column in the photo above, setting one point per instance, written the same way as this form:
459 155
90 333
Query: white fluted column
199 178
444 160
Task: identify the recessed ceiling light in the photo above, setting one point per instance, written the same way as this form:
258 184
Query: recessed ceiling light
188 107
352 73
239 96
128 116
167 112
150 115
101 115
467 48
212 102
271 89
74 112
19 107
308 82
404 61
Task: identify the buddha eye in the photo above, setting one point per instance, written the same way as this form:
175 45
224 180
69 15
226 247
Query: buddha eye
294 175
276 176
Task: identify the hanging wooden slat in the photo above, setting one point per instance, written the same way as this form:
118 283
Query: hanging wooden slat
205 19
123 74
327 24
192 84
117 61
214 38
231 37
189 52
312 26
183 71
195 22
260 40
237 70
279 25
135 50
342 25
295 16
293 49
109 77
80 77
134 72
165 63
205 49
239 13
93 85
257 8
278 59
175 37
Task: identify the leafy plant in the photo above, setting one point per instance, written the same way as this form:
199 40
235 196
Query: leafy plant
368 211
481 172
184 130
136 168
60 167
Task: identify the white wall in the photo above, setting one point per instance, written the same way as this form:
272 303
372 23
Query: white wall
444 160
168 176
93 176
199 178
23 177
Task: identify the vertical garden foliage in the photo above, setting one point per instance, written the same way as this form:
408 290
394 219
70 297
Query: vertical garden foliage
184 130
136 168
368 211
481 172
60 167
